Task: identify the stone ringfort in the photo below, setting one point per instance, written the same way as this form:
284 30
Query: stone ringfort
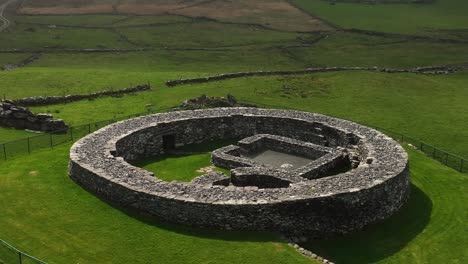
350 176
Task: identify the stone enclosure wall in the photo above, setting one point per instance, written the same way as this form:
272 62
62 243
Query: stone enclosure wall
321 207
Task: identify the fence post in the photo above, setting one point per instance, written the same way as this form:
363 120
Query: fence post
20 258
71 133
29 147
4 152
446 159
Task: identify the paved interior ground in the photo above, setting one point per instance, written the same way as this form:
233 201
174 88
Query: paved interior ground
278 159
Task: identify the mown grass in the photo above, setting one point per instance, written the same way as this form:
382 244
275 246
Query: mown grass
9 134
184 166
397 18
47 215
400 239
430 228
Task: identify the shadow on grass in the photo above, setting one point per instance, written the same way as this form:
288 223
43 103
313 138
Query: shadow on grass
375 243
381 240
224 235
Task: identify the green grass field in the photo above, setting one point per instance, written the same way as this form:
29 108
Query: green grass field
430 228
12 58
347 49
183 167
394 102
81 20
395 18
82 229
47 215
9 134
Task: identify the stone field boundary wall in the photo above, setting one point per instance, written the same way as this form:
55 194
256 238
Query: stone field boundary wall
49 100
323 207
434 70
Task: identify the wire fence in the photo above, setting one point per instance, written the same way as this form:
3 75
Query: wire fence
11 255
13 149
24 146
21 147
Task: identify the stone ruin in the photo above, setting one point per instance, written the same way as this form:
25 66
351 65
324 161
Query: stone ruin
349 176
204 101
18 117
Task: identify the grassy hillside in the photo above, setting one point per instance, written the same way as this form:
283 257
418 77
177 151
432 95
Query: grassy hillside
396 18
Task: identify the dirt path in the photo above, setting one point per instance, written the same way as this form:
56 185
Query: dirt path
5 23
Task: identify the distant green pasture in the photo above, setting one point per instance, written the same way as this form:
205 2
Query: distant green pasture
205 35
347 49
430 108
12 58
41 36
70 20
398 18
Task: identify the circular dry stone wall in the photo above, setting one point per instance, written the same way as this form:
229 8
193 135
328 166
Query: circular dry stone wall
358 176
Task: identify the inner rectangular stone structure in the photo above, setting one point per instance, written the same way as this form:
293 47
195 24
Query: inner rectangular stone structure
277 159
277 152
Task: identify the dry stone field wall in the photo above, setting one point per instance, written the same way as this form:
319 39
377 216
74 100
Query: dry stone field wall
373 186
430 70
50 100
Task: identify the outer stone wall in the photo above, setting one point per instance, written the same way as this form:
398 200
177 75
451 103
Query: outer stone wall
374 189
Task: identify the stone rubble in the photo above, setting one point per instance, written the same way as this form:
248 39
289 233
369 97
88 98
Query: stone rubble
13 116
